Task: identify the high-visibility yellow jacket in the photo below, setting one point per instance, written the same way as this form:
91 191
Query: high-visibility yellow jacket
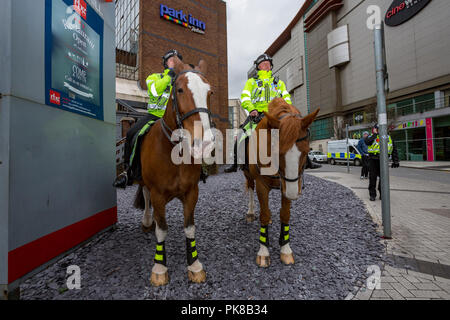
374 148
159 86
261 90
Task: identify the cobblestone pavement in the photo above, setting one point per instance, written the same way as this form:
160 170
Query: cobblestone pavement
417 259
332 236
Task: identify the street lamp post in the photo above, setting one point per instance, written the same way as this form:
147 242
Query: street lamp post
348 151
380 65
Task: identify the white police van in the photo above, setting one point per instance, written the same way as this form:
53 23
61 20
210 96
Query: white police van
337 152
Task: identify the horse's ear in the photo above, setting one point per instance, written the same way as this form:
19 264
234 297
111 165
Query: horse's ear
202 66
309 119
273 122
179 65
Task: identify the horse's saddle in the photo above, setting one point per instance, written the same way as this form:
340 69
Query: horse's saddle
136 143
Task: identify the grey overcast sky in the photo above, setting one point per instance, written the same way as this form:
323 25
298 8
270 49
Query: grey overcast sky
253 25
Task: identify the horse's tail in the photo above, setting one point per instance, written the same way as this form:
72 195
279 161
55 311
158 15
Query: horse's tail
139 201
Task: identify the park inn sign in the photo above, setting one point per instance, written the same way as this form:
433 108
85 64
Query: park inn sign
401 11
185 20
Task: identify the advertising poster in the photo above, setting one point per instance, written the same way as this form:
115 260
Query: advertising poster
74 57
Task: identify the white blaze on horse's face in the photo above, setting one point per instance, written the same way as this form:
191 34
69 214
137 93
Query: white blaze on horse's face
200 91
292 158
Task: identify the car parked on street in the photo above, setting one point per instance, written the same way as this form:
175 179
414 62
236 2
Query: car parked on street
317 156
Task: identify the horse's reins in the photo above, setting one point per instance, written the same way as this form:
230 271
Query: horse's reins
280 175
178 117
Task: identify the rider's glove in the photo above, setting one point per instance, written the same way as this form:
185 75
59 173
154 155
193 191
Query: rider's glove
172 73
253 112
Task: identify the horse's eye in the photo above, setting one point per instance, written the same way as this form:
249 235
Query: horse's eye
180 90
212 92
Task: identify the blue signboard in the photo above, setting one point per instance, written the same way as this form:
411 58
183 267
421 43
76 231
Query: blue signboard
74 57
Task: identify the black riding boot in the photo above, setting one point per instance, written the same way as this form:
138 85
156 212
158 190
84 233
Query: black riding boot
122 180
234 166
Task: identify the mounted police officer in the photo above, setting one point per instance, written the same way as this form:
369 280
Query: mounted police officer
373 143
258 92
159 86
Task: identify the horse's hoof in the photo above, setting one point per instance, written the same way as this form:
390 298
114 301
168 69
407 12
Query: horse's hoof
250 218
270 222
263 261
197 277
287 259
148 229
159 280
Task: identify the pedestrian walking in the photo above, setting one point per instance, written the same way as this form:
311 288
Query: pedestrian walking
364 151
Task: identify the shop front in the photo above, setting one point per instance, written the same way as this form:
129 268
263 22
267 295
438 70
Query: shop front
442 138
423 140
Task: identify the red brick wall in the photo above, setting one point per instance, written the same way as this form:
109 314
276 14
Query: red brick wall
158 36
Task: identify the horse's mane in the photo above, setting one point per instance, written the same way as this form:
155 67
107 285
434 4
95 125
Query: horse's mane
289 126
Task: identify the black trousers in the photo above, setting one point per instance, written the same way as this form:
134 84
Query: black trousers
374 173
365 166
132 132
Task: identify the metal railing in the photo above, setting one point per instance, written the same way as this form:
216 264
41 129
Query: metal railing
394 111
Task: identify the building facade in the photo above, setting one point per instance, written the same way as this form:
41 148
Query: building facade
326 57
147 29
236 114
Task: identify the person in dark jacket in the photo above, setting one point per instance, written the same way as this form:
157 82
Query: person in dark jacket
373 143
363 150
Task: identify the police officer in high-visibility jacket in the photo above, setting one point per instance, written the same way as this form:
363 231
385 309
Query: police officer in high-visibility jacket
258 92
262 89
159 86
373 143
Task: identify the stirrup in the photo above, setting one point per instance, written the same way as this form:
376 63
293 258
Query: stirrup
121 181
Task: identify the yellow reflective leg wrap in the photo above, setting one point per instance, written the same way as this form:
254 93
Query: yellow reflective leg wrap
284 234
160 255
191 251
264 235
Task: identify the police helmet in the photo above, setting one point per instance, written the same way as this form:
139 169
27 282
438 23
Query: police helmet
169 54
262 58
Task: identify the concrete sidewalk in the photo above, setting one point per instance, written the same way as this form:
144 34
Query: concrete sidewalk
427 165
418 256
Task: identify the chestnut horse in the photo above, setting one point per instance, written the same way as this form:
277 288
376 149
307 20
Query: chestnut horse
293 150
162 180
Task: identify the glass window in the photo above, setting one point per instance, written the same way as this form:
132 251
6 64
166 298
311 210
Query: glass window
410 106
127 38
442 138
424 103
322 129
447 98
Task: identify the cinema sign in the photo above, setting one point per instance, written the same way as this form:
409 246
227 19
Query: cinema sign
401 11
183 19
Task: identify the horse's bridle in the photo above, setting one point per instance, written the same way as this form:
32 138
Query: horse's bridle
179 118
280 175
